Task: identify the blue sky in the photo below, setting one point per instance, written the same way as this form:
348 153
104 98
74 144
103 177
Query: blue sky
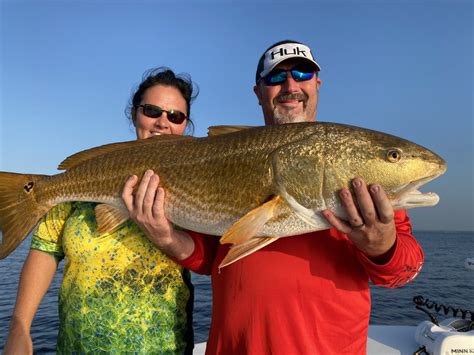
402 67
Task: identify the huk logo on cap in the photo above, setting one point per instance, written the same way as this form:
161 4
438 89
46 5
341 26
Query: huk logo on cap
285 51
294 52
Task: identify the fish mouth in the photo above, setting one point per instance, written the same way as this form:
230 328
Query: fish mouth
408 196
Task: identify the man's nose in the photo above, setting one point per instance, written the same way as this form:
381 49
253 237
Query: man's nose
290 84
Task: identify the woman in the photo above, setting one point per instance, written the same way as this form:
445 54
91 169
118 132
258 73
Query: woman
119 292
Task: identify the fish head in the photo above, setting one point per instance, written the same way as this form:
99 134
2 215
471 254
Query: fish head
314 169
398 165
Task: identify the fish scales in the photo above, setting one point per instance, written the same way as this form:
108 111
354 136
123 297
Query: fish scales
286 172
206 170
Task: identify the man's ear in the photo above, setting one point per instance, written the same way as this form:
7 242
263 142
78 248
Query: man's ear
319 82
256 90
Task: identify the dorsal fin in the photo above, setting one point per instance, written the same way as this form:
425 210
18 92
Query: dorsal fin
87 154
218 130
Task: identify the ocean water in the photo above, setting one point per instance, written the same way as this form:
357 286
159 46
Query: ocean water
443 279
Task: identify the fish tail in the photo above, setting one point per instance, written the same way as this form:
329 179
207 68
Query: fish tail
19 208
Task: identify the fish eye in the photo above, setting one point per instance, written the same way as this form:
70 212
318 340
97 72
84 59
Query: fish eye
394 155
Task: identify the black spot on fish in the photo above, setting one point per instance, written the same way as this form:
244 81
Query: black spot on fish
28 187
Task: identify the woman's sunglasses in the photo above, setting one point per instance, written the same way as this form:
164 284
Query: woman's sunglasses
154 111
279 76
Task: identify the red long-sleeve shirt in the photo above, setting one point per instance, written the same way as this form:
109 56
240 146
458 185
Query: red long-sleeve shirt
306 294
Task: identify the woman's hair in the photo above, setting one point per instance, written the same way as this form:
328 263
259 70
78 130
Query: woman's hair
166 77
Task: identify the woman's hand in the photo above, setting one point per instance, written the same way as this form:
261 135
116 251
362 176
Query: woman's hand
18 341
146 209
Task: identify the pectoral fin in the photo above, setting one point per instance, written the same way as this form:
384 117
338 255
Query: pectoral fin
109 217
249 225
239 251
309 216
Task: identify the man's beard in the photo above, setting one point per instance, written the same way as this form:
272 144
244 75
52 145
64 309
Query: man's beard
288 116
282 115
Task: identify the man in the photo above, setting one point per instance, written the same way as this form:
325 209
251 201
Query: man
307 294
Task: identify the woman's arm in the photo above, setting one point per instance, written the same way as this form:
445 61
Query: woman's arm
36 277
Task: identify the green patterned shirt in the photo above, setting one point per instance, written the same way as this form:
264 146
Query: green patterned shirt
119 293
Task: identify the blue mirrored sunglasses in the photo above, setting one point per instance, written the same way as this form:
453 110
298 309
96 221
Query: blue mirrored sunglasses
279 76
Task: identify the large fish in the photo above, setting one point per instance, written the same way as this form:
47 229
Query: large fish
250 185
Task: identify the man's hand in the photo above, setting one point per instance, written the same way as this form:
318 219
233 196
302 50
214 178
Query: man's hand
370 224
146 208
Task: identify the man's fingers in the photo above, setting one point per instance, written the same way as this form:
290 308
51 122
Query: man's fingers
353 216
382 204
364 201
336 222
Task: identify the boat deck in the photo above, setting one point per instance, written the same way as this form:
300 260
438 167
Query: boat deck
383 339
